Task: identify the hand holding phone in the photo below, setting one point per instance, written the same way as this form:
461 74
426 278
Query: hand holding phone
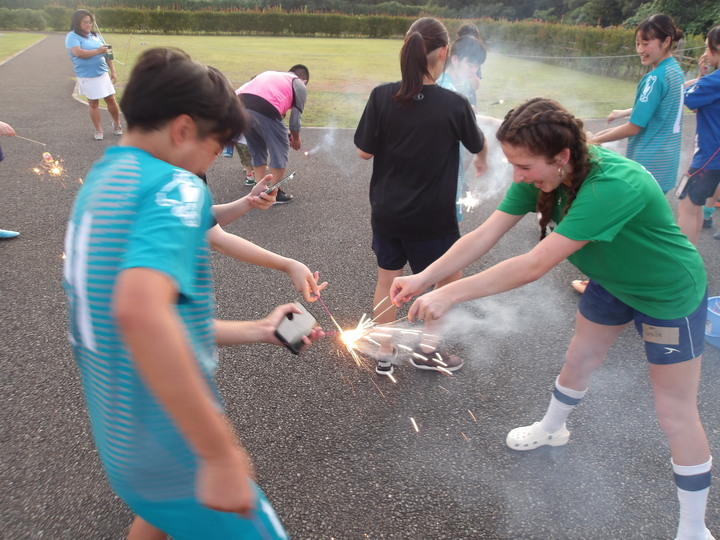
294 327
288 177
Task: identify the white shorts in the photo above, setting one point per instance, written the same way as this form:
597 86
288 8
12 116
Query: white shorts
95 87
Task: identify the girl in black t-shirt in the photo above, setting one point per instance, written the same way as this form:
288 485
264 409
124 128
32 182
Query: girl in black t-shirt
413 129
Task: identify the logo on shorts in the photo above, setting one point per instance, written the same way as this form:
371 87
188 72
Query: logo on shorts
185 195
670 350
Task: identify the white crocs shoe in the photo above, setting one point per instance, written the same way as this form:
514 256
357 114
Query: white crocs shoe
708 537
532 437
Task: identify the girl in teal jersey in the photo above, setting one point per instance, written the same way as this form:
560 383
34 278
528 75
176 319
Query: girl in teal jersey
614 224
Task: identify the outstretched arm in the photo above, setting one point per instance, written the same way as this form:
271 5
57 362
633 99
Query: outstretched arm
504 276
228 212
304 281
466 250
624 131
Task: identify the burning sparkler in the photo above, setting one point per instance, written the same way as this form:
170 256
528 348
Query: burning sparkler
469 201
368 331
49 166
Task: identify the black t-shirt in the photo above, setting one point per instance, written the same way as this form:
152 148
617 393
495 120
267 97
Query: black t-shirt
416 149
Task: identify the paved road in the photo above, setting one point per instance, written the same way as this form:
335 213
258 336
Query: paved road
333 445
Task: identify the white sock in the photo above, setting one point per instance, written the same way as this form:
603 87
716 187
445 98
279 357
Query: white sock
562 402
692 501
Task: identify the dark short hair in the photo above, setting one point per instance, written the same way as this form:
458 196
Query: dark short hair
469 29
166 83
659 26
78 16
713 39
301 71
470 48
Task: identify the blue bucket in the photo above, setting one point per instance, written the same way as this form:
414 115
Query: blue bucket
712 325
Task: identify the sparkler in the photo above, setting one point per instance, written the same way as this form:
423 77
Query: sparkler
469 201
31 140
49 166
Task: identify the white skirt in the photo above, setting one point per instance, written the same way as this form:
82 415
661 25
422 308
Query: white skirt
95 87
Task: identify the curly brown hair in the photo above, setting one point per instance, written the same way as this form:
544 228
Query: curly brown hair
545 128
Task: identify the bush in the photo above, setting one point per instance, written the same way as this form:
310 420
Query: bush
22 19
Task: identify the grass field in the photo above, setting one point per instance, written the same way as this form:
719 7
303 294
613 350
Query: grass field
13 42
343 71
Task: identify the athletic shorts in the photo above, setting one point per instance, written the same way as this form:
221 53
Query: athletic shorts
95 87
701 185
267 135
667 341
187 519
394 253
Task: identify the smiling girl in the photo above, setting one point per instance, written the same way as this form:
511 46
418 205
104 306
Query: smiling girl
614 224
655 126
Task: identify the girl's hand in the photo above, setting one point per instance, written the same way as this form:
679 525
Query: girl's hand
480 162
404 288
6 129
703 67
430 306
614 115
258 199
305 281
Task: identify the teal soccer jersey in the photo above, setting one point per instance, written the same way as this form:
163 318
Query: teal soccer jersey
658 111
137 211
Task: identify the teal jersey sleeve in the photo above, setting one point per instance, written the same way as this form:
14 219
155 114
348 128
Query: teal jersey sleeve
174 213
647 99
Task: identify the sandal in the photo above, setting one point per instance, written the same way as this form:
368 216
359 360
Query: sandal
532 437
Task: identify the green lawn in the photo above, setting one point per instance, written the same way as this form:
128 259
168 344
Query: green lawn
343 71
13 42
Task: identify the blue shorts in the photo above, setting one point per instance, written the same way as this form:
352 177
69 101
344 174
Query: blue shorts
187 519
394 253
267 135
667 341
701 185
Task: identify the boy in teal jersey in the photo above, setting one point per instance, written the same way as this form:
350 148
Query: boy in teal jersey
137 274
614 223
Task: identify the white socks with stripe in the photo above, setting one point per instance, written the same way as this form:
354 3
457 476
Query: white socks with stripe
562 402
693 486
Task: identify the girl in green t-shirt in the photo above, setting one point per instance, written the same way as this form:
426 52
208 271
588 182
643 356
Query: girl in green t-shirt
615 225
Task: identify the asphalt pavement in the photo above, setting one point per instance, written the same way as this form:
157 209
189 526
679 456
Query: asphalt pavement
333 445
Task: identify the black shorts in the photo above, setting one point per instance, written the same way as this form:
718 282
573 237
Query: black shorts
395 253
701 185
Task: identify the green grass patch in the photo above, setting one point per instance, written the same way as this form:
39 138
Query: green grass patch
12 43
343 71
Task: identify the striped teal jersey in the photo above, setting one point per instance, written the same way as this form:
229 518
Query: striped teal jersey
658 111
137 211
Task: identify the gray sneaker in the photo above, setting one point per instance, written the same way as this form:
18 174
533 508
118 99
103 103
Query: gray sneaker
435 360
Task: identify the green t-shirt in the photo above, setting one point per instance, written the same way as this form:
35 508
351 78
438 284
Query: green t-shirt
635 249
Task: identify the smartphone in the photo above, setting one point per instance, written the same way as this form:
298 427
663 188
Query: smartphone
294 327
288 177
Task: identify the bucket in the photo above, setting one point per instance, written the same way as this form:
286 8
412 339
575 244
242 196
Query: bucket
712 325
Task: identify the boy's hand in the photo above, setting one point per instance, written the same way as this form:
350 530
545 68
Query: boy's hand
305 281
223 484
272 321
260 200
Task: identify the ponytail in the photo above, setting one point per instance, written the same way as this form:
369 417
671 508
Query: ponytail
659 26
424 36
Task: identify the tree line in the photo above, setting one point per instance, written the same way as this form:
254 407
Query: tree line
695 17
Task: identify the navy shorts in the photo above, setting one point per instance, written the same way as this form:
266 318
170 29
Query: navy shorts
667 341
701 185
395 253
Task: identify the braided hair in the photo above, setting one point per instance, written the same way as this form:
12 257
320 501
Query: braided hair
545 128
